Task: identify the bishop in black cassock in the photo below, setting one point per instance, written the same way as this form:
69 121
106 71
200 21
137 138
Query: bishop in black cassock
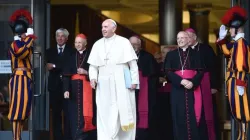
78 91
184 70
146 95
209 84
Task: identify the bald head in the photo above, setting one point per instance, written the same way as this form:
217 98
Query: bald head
108 28
182 39
182 33
80 43
136 43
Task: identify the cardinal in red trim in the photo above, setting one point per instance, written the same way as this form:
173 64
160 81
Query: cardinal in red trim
78 92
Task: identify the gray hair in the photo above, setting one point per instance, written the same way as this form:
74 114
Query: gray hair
64 31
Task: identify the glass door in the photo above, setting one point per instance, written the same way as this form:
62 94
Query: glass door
37 123
6 37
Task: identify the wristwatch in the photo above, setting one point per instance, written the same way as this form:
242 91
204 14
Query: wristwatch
54 65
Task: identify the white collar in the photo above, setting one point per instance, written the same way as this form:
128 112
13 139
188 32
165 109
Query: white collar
110 38
238 36
82 51
63 46
194 45
184 48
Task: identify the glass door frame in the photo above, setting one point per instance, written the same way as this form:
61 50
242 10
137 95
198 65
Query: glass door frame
7 134
34 130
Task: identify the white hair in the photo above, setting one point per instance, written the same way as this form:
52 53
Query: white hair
62 30
114 23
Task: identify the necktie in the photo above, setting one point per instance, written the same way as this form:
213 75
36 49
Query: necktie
60 51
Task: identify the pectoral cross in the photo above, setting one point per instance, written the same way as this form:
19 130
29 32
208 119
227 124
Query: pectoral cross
181 70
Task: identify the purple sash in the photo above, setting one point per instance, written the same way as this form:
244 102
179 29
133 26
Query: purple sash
143 102
188 74
208 106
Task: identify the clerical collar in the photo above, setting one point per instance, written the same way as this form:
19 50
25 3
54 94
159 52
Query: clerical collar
82 51
194 45
184 49
111 38
238 36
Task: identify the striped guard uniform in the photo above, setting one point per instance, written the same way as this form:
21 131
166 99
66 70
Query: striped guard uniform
237 71
20 82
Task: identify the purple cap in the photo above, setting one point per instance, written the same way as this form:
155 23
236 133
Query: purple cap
190 30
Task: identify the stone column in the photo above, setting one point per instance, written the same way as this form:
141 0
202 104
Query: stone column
246 6
170 20
199 19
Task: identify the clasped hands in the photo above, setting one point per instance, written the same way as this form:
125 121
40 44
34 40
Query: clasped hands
187 84
82 71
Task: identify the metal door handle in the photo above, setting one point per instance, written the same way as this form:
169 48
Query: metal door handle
40 74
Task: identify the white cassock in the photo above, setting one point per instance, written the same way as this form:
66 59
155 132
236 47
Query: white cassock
116 107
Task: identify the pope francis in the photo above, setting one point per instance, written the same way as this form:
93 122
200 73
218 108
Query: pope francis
113 72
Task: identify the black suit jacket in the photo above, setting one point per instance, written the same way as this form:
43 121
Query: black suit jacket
55 75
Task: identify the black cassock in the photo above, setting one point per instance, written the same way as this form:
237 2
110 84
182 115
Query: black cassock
163 120
75 88
148 67
209 60
185 126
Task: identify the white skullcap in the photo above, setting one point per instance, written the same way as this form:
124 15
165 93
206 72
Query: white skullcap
113 21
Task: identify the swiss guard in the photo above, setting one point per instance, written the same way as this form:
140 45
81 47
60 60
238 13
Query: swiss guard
237 50
20 53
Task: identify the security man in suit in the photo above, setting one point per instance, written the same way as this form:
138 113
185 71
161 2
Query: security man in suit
55 57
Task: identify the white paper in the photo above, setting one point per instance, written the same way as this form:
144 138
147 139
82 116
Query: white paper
5 67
